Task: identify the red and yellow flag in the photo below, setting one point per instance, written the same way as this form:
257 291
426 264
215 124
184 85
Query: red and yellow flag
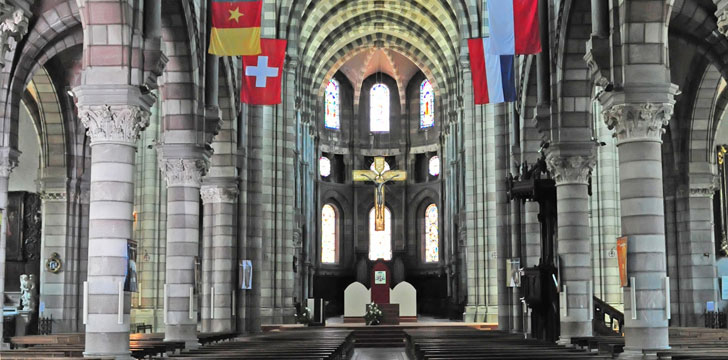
235 27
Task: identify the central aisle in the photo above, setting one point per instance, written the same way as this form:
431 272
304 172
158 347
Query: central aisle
380 354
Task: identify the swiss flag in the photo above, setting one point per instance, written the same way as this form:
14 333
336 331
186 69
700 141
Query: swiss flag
262 74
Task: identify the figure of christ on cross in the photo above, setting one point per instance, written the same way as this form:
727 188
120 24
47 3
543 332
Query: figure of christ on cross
379 177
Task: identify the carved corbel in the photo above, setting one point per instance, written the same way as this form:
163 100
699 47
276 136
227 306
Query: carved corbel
723 21
213 123
154 63
8 161
13 24
597 59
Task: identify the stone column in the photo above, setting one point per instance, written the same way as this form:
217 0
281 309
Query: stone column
13 24
220 200
8 162
183 177
638 117
205 307
113 128
503 240
696 262
571 173
57 289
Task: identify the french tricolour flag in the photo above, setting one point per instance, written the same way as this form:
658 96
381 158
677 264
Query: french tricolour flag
493 75
514 27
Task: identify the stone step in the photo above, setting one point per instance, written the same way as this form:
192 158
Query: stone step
376 337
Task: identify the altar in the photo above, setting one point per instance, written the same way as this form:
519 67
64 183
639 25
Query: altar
398 304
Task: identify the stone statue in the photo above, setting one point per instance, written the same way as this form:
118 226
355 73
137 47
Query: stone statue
28 292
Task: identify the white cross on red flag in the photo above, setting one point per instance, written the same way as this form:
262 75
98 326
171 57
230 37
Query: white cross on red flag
262 74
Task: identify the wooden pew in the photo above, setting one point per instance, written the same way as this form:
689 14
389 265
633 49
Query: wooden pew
685 343
468 343
32 340
294 344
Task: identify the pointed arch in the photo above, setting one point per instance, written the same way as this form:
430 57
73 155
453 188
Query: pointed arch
380 242
379 108
432 234
427 105
332 117
329 234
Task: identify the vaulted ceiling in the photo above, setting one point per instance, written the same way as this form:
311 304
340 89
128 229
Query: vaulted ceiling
338 33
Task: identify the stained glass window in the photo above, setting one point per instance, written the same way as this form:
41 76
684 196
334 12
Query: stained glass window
432 235
379 108
331 120
386 167
324 166
328 234
427 105
434 166
380 242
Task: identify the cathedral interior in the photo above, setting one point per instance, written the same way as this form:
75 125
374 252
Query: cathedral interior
137 188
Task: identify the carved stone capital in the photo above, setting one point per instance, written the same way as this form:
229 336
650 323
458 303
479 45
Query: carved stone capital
50 195
13 24
212 194
638 122
702 191
183 172
567 169
116 124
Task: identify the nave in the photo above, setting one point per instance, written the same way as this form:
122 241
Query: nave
147 206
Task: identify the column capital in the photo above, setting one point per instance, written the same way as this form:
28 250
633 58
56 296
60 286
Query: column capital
638 121
570 169
113 124
183 172
53 195
13 24
213 194
700 189
703 191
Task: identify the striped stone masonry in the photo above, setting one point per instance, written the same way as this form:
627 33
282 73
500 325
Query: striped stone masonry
219 206
113 131
57 290
571 174
638 128
8 162
696 253
183 177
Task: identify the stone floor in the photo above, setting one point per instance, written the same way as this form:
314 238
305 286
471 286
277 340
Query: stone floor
420 319
380 354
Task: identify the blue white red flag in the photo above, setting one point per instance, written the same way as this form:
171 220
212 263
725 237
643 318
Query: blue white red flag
514 27
493 75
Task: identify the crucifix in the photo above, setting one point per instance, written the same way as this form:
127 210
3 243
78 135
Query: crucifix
379 177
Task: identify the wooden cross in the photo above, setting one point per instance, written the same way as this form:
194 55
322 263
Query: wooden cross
379 177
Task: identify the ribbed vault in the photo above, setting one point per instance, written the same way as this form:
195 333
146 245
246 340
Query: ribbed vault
327 34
